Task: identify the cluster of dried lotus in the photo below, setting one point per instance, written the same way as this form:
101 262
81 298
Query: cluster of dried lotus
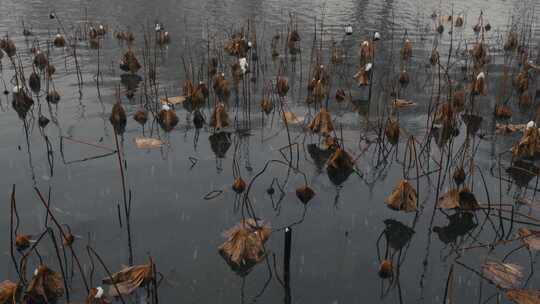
244 244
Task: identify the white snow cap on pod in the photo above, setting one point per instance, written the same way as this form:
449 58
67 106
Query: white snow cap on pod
480 75
368 66
365 43
99 292
348 29
531 124
377 36
17 89
165 107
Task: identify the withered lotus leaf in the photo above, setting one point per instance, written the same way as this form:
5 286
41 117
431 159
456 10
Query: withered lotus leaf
391 131
305 194
127 280
141 116
129 62
267 106
406 50
463 199
167 119
449 200
386 269
239 185
502 111
321 123
523 296
244 244
528 145
8 290
340 166
459 176
530 238
96 296
22 242
220 117
118 118
403 197
46 285
291 118
504 275
282 86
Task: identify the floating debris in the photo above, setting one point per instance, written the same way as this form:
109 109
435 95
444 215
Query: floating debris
148 143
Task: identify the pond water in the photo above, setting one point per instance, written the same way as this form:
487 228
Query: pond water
338 245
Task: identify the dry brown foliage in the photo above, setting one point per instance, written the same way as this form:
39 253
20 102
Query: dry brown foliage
403 197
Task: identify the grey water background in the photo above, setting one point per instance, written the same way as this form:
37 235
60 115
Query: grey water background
334 256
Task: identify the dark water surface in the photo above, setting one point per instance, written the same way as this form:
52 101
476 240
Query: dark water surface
334 250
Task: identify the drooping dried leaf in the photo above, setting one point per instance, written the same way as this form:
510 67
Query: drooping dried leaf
291 118
523 296
220 117
118 118
167 119
340 166
22 242
530 238
8 290
391 130
148 143
321 123
528 145
502 111
403 197
46 285
504 275
449 200
244 247
129 279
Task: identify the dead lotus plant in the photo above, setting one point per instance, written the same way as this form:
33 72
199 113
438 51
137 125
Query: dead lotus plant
321 123
46 286
244 245
127 280
220 117
403 197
